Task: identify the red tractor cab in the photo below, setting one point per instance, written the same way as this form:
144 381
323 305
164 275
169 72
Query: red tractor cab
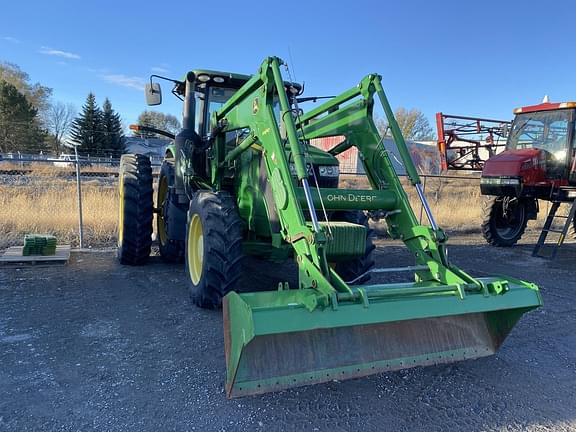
538 163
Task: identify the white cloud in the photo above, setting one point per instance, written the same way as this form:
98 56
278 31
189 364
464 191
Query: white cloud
98 71
59 53
10 39
125 81
159 69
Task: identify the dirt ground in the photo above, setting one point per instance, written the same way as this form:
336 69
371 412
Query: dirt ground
97 346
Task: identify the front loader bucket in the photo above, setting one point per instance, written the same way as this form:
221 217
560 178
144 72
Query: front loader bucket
274 342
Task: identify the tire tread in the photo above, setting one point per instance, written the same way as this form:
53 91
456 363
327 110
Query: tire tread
223 235
138 209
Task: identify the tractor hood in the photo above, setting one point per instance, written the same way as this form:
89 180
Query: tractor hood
509 163
320 157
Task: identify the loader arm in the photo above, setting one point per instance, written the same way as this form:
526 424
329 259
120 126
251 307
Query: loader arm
351 115
252 108
328 328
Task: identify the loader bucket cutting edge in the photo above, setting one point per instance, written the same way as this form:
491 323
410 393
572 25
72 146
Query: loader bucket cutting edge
271 345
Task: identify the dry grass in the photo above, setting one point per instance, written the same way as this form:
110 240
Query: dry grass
456 204
47 205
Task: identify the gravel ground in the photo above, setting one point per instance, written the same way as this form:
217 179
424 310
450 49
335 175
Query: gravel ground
96 346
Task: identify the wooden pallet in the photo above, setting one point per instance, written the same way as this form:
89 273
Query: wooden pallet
13 257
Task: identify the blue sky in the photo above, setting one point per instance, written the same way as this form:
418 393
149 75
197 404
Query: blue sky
457 57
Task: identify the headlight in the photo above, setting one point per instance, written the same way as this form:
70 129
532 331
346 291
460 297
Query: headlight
560 155
329 170
489 180
293 169
510 181
323 170
499 181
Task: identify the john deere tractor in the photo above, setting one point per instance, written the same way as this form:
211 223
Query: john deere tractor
242 179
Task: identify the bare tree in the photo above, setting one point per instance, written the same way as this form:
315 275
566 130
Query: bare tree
58 119
158 120
413 124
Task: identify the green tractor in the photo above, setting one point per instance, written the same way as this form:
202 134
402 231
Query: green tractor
241 178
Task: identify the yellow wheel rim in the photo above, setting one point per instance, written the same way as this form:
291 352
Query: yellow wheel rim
121 209
195 249
162 196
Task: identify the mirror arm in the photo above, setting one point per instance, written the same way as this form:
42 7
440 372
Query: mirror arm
175 93
176 82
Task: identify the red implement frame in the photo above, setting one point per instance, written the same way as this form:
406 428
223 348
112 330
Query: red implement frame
465 143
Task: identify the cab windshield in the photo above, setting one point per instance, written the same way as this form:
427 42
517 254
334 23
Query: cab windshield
545 130
218 96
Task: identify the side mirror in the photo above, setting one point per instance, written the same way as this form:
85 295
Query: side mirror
153 94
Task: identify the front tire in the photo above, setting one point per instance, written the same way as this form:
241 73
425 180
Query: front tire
135 209
213 247
504 220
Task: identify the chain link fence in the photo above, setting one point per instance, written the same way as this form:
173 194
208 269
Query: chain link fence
80 207
49 196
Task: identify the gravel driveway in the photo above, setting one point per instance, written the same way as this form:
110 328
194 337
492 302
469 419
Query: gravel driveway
97 346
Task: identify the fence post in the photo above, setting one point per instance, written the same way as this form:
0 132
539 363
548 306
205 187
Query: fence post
79 193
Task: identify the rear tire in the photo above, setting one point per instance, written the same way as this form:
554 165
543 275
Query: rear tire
136 210
171 251
213 247
350 270
500 228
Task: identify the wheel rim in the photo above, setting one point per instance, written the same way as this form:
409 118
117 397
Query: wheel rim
509 224
121 209
195 249
162 197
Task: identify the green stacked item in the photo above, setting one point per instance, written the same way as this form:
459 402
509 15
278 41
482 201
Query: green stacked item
37 244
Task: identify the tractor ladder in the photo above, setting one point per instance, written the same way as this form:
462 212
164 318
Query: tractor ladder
553 247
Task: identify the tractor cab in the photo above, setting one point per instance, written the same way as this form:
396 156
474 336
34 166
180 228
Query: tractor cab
212 90
538 163
205 92
539 153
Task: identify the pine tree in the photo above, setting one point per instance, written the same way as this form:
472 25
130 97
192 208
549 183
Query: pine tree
113 134
87 129
19 125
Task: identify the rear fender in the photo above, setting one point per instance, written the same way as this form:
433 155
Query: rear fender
177 225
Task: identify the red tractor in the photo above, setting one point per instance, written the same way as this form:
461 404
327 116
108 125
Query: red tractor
538 162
